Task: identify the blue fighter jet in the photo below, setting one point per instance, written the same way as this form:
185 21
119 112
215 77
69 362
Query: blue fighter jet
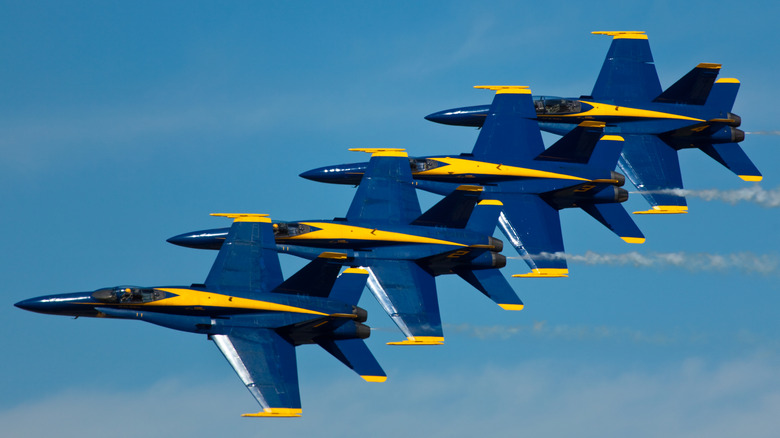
402 248
693 113
254 317
533 184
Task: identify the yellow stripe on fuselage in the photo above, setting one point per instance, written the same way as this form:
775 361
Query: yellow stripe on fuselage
330 231
196 298
458 166
607 110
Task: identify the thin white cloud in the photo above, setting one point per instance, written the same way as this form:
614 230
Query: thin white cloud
687 398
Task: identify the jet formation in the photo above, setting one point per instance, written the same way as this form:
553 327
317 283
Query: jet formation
387 244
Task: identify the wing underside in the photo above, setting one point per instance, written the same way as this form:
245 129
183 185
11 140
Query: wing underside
654 168
266 363
408 295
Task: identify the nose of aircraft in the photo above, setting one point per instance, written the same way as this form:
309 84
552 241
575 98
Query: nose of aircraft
34 305
206 239
315 174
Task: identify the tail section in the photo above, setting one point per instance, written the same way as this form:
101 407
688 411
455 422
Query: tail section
247 261
586 145
454 210
628 73
349 286
485 216
510 134
355 354
493 284
693 88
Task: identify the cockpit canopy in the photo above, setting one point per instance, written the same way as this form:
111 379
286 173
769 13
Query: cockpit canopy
290 229
556 105
128 295
423 164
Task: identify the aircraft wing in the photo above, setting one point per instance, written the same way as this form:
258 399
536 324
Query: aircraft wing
266 363
654 168
386 194
408 295
628 73
247 261
533 227
510 134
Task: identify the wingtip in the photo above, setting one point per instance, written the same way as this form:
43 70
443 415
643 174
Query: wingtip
751 178
420 340
665 209
545 273
638 240
374 378
276 412
515 307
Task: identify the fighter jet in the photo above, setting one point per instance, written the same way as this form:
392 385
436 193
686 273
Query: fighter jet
254 317
402 249
533 184
693 113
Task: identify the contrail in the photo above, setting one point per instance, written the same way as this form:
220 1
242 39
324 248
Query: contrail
763 132
755 194
695 262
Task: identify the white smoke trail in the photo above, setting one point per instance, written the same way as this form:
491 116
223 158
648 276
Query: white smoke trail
756 194
763 132
746 261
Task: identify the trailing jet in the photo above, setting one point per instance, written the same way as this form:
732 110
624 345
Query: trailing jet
693 113
254 317
401 248
511 164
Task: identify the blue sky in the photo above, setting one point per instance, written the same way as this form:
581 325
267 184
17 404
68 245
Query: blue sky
124 124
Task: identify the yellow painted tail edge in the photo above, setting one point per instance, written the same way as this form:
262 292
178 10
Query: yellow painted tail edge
628 34
420 340
382 152
665 209
752 178
506 89
276 412
245 217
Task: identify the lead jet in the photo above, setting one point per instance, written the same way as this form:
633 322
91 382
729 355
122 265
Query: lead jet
693 113
533 184
254 317
401 248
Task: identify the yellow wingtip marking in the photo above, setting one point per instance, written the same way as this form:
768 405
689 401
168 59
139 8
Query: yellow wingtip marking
628 34
516 307
245 217
665 209
506 89
545 273
490 202
727 81
374 378
382 152
633 239
276 412
751 177
612 138
420 340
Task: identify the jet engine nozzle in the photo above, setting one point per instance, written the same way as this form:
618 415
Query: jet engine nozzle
363 331
362 314
499 261
737 135
496 245
619 177
621 194
737 120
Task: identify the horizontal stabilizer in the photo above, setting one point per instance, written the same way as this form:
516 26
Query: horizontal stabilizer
723 94
617 219
453 211
349 286
545 273
355 354
494 286
734 158
693 88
